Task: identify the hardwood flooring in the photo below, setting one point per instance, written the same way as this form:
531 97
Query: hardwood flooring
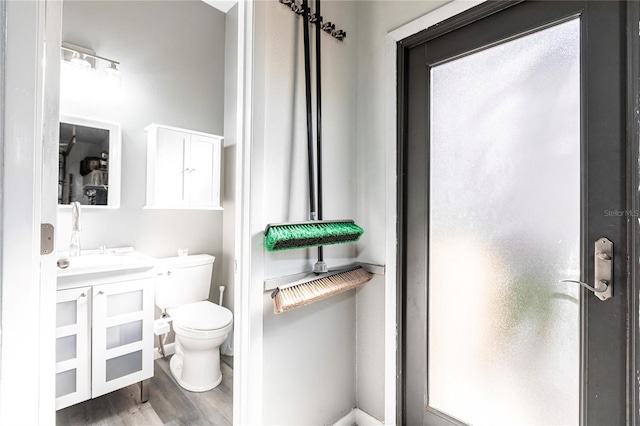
168 404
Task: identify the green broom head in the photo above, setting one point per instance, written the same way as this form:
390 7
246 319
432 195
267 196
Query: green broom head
286 236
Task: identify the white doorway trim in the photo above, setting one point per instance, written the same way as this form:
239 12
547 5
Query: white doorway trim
391 410
29 148
247 376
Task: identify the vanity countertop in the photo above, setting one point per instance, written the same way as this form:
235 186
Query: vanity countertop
94 265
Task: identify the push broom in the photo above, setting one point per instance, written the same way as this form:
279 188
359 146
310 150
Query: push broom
316 232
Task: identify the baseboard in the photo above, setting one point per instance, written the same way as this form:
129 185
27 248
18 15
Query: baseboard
357 417
169 349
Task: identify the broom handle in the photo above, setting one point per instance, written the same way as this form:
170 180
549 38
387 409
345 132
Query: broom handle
307 75
319 118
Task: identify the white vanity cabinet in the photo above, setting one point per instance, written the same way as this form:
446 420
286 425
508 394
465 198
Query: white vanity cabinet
104 336
183 168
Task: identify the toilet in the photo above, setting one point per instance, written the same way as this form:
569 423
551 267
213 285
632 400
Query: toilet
182 290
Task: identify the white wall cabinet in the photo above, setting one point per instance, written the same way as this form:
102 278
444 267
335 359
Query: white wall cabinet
104 339
183 168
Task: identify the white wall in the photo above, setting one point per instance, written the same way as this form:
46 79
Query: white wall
313 368
375 20
172 58
309 353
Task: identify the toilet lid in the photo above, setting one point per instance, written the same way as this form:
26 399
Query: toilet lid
202 316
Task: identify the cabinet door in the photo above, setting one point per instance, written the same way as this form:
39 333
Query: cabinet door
171 168
122 336
73 347
203 177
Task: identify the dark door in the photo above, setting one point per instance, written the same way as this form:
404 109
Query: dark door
513 160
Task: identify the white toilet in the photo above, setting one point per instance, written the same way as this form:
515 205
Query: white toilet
182 289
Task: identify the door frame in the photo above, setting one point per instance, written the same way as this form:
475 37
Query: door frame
393 377
633 182
247 389
27 280
29 176
395 130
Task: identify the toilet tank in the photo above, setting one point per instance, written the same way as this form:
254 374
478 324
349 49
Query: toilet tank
182 280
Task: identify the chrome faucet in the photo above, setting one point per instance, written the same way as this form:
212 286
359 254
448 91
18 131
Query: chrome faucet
76 227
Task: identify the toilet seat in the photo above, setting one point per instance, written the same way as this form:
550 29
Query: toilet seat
201 316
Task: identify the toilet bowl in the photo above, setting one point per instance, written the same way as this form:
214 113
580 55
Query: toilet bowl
200 328
182 289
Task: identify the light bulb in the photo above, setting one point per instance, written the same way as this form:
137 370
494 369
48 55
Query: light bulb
80 62
112 70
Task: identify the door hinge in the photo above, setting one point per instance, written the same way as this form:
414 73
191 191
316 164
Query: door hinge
46 238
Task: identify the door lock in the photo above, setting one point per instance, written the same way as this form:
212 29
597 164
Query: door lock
603 270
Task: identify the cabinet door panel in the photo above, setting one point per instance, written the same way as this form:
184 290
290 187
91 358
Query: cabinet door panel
66 385
170 167
123 303
122 334
73 348
204 171
123 365
66 313
66 348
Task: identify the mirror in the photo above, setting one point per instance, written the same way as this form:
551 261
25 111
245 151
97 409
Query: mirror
89 162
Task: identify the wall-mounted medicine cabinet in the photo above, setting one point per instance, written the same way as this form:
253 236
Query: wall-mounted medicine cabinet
183 169
89 154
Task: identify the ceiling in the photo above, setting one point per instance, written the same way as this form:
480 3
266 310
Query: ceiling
221 5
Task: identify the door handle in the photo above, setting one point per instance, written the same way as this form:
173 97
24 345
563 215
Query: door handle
600 287
603 270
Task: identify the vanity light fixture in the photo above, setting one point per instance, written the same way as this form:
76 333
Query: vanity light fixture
87 58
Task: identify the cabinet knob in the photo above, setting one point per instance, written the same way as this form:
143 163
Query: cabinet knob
82 295
100 292
63 263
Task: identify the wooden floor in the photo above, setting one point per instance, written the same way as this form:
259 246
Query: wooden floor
168 404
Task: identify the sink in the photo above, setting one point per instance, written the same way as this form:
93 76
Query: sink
93 262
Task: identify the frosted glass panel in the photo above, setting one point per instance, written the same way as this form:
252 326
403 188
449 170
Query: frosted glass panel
66 348
124 334
123 365
504 228
66 313
65 383
124 303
